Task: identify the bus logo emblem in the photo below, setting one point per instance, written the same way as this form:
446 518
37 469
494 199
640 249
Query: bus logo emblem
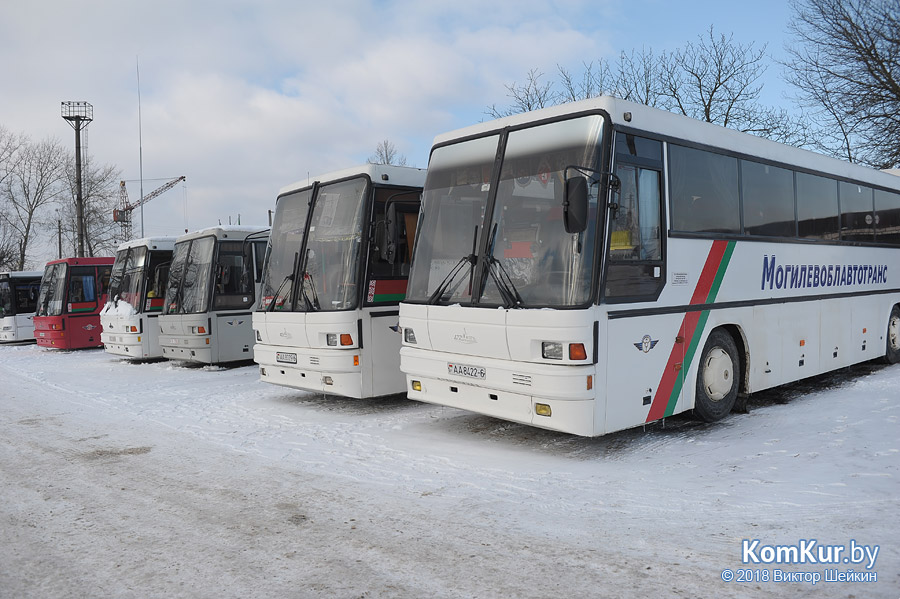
646 344
465 338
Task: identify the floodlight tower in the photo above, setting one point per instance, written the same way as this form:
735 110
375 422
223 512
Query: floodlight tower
79 115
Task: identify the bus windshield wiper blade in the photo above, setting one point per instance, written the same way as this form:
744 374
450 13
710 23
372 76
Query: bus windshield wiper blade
442 288
511 297
312 304
288 277
471 259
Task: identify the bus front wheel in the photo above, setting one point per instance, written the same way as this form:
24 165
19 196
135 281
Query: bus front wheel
892 352
717 377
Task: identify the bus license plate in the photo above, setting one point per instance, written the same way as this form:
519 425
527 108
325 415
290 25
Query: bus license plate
286 358
474 372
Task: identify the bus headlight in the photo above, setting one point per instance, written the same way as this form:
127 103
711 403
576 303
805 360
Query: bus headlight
409 336
551 350
331 338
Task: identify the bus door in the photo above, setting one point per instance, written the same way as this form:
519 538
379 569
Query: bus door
645 370
395 216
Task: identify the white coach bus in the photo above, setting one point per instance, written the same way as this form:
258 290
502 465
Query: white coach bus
136 288
212 290
18 303
594 266
336 269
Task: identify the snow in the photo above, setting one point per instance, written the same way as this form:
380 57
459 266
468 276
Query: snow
167 480
118 307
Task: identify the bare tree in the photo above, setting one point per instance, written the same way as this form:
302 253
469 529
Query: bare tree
9 252
595 80
386 153
714 79
100 186
34 181
845 64
531 95
639 78
10 143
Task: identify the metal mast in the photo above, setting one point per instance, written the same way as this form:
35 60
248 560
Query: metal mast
79 115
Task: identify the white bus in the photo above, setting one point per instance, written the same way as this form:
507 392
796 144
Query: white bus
211 292
337 267
18 303
136 288
599 265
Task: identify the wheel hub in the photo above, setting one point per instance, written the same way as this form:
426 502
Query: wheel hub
718 374
894 333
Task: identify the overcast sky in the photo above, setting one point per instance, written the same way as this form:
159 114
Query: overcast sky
245 97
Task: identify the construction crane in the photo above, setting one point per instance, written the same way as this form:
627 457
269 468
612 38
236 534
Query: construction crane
122 215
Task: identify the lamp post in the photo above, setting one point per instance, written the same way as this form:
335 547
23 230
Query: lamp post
79 115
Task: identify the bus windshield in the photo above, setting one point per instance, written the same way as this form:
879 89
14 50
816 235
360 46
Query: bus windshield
128 276
7 308
326 273
187 291
53 290
285 241
530 260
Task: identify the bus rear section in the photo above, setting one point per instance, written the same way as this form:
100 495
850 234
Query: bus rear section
212 288
336 269
18 303
136 294
72 293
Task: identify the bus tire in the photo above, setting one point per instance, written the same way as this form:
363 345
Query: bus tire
892 346
718 375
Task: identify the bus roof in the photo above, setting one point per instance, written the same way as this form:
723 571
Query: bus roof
680 127
156 243
390 174
93 261
21 274
225 232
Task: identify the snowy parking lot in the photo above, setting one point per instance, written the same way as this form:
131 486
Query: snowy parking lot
166 480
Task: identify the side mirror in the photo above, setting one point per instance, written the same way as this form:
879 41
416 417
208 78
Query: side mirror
575 205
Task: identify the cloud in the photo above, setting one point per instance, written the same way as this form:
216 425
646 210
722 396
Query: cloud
243 98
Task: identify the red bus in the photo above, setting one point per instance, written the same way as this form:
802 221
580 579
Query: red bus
73 291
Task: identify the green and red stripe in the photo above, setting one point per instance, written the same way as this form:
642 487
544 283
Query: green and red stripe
691 330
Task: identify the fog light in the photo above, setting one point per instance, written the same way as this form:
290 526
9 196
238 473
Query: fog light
576 351
331 338
262 371
258 336
542 409
346 339
552 350
327 380
409 336
416 386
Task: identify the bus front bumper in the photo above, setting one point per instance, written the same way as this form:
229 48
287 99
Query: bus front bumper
325 371
549 396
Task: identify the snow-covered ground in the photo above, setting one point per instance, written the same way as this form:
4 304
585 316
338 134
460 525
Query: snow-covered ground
162 480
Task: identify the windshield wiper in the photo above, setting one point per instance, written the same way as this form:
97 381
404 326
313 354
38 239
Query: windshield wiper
288 277
501 278
305 275
441 291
